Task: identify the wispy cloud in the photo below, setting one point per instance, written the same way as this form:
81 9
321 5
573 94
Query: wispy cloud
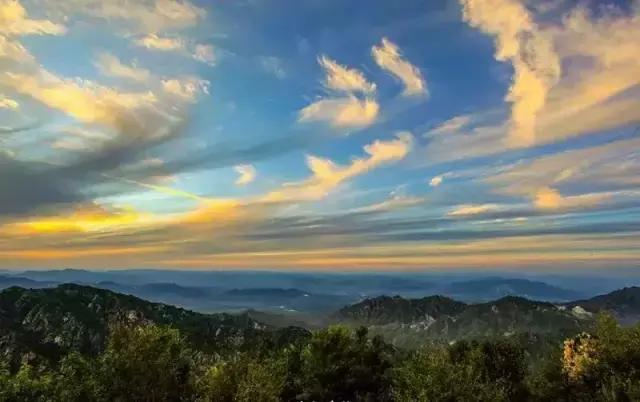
469 209
14 21
327 175
388 56
344 79
8 103
246 174
343 108
342 112
110 65
535 62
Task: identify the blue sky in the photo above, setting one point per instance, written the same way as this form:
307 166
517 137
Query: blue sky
338 135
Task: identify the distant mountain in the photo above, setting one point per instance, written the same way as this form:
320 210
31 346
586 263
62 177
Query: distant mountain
409 322
266 293
494 288
623 303
384 310
7 281
52 322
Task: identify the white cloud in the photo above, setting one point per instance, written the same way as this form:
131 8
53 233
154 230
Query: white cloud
110 65
150 16
535 62
436 181
187 88
451 126
200 52
387 55
246 174
14 21
8 103
272 65
327 175
161 43
344 112
395 202
82 99
472 209
550 198
344 79
204 54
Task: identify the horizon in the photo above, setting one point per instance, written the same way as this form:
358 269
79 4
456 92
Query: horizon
363 137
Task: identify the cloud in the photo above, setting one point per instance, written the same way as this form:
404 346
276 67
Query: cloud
246 174
327 175
344 112
343 79
550 198
87 218
394 203
165 44
152 16
451 126
8 103
470 209
204 54
14 21
535 62
436 181
388 56
82 99
200 52
343 109
111 66
272 65
186 89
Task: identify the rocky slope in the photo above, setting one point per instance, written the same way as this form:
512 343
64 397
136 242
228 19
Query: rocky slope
51 322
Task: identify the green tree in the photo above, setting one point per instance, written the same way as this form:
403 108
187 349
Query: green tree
145 363
430 375
76 380
340 365
27 385
243 379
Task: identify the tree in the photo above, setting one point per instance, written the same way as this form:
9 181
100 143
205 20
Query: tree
28 384
339 365
430 375
76 380
243 379
145 363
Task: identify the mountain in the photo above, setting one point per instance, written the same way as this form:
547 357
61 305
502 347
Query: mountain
624 304
7 281
410 322
266 293
384 310
494 288
52 322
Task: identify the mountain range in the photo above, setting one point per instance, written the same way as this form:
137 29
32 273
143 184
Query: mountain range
412 321
50 322
296 293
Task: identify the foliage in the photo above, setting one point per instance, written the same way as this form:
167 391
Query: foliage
338 364
150 359
467 371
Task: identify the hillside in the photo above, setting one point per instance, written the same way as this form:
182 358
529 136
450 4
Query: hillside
624 304
409 322
385 310
52 322
486 289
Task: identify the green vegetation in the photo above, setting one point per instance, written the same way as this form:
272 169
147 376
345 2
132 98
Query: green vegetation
157 357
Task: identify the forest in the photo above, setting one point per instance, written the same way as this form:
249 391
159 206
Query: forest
156 363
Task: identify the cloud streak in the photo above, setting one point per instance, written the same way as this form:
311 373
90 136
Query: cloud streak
389 58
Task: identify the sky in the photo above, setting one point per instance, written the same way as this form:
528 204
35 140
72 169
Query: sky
320 134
